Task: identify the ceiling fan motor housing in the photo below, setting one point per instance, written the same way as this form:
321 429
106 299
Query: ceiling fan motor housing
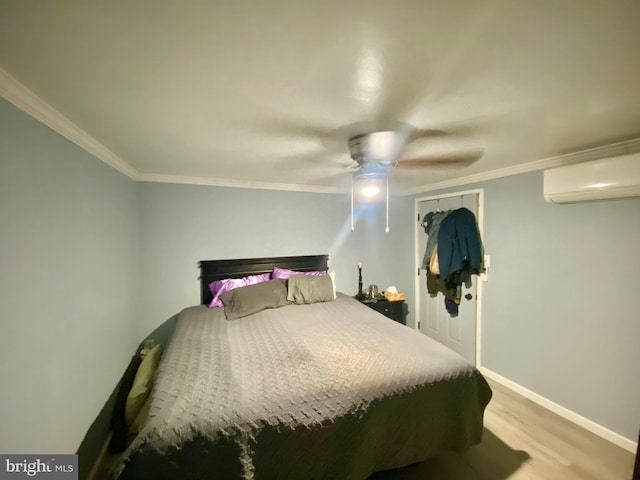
376 148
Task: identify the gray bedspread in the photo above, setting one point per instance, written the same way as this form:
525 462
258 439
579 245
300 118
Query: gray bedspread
328 390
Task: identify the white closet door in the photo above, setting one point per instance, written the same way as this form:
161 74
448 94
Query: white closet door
457 333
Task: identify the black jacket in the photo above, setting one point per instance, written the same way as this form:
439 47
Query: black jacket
459 245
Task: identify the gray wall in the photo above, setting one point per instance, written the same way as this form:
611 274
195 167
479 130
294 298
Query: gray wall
182 224
561 308
68 285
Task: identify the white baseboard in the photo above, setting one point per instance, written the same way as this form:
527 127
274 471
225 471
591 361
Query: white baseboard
583 422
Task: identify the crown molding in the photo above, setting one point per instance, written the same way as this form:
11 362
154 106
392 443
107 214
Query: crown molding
223 182
612 150
30 103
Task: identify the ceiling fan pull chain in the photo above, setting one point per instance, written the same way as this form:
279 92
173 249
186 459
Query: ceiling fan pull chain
352 224
387 228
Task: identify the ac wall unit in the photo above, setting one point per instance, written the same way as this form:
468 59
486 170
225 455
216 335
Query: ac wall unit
606 178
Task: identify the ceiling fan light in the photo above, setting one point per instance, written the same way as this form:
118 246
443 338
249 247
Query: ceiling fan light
370 190
369 184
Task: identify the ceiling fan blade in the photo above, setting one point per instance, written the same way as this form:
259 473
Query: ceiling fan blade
466 131
315 160
299 130
428 134
451 160
474 127
293 128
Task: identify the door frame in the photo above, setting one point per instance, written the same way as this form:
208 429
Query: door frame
418 258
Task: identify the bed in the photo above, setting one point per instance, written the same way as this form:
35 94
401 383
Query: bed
325 390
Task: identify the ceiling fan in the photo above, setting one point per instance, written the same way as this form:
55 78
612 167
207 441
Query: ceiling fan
381 147
386 149
376 153
377 149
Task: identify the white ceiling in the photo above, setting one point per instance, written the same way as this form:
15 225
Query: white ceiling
268 91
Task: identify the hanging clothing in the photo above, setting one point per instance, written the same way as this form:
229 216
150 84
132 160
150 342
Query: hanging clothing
452 306
436 285
454 252
459 246
434 266
431 223
452 295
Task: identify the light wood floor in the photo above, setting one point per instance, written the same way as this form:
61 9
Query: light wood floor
525 441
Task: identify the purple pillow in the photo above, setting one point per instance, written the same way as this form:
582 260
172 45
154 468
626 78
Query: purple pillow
284 273
219 287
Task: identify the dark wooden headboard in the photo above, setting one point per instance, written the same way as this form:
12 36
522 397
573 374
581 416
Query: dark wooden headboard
211 270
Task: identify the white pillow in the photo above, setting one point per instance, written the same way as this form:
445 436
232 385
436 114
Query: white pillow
333 280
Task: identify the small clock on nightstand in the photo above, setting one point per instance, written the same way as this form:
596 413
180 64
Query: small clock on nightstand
396 311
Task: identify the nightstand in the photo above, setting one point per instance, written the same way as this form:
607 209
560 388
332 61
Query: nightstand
396 311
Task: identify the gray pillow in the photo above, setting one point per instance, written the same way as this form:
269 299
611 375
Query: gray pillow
309 289
244 301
